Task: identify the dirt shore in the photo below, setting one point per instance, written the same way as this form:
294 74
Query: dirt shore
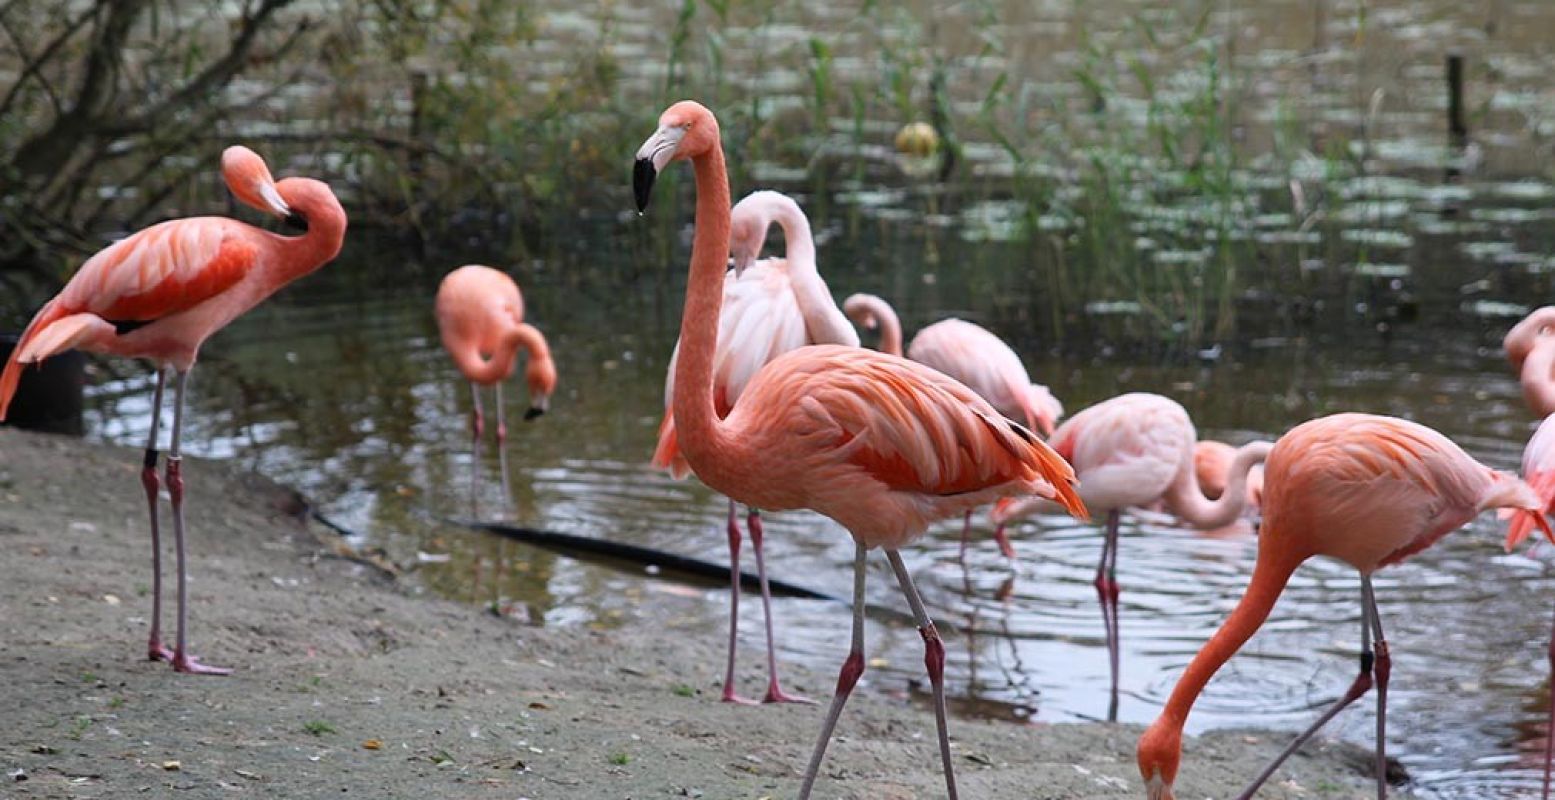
350 683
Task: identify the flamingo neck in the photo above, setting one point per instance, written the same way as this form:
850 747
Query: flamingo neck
873 312
1186 498
824 322
300 255
1270 574
486 369
528 338
698 428
1538 386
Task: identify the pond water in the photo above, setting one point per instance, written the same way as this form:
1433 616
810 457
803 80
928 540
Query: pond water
1391 300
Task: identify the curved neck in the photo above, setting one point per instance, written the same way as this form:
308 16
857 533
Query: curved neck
1186 499
326 233
824 322
486 371
1538 386
1270 574
696 420
873 312
528 338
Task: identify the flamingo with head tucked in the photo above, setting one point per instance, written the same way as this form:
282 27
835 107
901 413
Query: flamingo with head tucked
880 444
770 307
159 294
1366 490
1131 451
480 317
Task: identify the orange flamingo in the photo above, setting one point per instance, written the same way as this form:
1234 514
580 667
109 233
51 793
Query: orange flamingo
1530 346
159 294
1369 491
1131 451
880 444
977 358
770 307
480 315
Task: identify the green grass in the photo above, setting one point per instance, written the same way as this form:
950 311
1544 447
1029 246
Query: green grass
317 727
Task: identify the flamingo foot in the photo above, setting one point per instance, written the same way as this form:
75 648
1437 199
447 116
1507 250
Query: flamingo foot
730 696
189 665
1004 543
156 651
775 694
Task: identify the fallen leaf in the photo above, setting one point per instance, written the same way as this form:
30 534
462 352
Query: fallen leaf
172 766
111 599
253 776
539 705
373 744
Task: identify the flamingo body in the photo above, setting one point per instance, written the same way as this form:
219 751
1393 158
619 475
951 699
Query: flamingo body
477 309
974 356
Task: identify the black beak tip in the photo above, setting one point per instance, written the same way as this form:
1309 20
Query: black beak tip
643 175
532 413
295 222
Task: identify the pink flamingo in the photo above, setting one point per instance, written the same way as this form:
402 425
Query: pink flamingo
159 294
880 444
975 357
480 315
1369 491
769 307
1530 346
1131 451
1212 464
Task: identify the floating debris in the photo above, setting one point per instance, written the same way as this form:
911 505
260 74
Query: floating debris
1494 308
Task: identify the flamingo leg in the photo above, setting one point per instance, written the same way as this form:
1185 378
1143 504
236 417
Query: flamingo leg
730 696
1382 667
155 649
1358 687
502 453
1001 537
1549 736
182 661
852 668
933 659
477 427
775 693
1107 592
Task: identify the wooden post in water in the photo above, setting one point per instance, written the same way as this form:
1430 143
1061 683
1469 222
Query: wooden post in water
1457 129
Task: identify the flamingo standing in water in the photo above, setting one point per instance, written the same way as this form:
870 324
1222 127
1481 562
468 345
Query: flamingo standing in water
480 316
1530 346
880 444
159 294
1369 491
769 307
974 356
1136 450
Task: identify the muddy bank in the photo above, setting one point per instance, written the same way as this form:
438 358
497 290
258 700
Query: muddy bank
350 683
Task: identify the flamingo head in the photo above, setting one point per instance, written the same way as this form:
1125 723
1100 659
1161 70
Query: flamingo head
858 308
540 375
1159 753
747 233
249 179
1523 336
686 130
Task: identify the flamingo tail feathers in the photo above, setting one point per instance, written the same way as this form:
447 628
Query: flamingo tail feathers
50 333
666 455
1530 512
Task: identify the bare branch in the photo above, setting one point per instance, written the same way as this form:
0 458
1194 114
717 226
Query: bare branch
34 64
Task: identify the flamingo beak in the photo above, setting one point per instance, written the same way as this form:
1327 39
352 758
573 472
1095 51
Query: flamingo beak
273 201
538 405
740 261
652 157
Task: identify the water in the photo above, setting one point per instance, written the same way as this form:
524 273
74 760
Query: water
1382 284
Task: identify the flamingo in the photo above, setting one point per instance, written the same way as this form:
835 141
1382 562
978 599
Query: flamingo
1136 450
1369 491
1530 346
974 356
769 307
880 444
159 294
480 316
1212 464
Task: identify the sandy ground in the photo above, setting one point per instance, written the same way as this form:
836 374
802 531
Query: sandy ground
352 684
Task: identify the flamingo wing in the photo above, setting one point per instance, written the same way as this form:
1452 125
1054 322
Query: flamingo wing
908 426
161 270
